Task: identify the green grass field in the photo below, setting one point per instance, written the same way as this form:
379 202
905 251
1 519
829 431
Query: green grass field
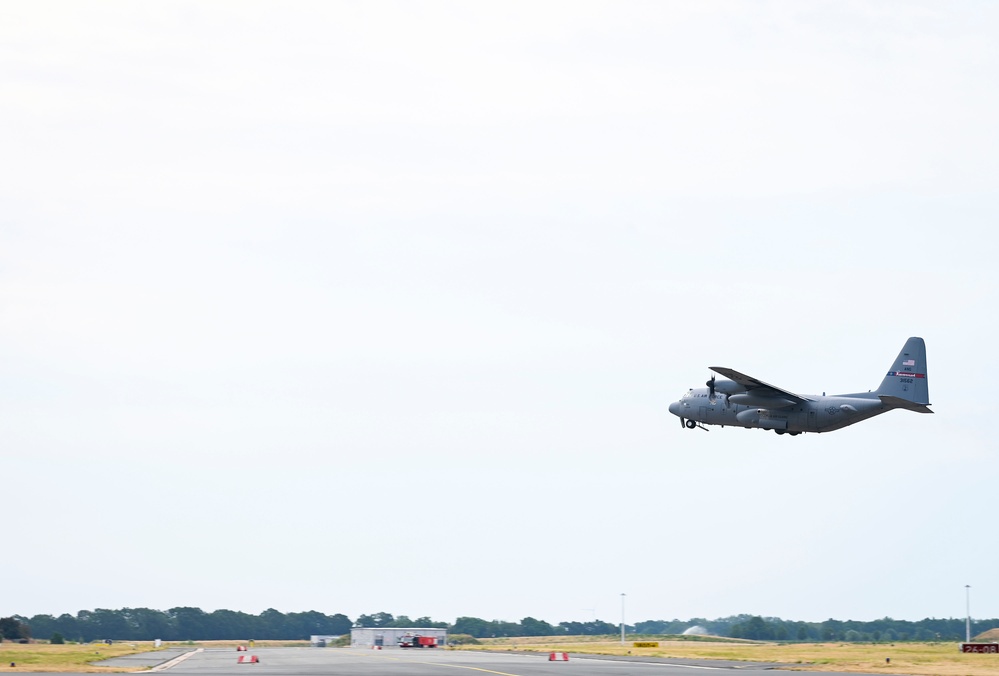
921 659
69 657
79 657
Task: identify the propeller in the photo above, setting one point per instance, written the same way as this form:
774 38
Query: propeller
711 389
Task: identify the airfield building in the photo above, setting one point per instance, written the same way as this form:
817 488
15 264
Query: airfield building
388 637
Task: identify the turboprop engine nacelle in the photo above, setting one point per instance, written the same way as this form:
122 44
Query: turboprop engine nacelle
754 400
728 387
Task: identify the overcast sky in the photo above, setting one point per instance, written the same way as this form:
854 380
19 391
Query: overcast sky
378 306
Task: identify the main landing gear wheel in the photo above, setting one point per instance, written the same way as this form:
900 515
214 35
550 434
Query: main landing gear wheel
691 424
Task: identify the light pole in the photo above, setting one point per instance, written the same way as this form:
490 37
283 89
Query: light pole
622 619
967 604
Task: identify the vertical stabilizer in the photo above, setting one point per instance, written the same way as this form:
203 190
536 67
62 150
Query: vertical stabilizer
907 378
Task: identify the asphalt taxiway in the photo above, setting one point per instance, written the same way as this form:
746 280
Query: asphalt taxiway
429 662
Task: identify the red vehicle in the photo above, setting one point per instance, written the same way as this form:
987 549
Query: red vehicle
417 641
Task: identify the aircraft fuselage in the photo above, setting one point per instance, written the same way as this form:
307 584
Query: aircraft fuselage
820 414
745 401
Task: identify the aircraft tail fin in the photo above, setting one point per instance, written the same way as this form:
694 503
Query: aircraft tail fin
907 379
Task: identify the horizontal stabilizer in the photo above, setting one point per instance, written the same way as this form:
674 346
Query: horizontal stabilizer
897 402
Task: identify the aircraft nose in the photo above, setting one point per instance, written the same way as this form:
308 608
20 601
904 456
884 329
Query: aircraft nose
674 408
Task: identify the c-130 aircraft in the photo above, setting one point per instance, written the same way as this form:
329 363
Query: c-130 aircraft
745 401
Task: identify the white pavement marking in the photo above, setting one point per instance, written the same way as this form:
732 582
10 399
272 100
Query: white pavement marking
657 664
175 661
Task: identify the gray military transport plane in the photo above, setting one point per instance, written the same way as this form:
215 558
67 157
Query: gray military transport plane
745 401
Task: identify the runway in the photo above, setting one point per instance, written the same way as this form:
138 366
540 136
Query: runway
397 662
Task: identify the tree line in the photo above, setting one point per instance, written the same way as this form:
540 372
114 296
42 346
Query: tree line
183 624
883 630
194 624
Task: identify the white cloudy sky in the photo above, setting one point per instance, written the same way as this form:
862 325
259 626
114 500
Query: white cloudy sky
300 303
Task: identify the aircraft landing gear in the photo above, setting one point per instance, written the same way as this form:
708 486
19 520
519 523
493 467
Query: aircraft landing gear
793 434
691 424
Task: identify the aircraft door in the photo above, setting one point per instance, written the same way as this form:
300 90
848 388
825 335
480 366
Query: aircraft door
813 420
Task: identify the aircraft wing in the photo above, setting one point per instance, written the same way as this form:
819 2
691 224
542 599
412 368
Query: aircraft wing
758 387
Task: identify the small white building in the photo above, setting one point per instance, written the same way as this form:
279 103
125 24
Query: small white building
388 637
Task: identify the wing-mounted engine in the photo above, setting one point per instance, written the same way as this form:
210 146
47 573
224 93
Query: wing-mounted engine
725 387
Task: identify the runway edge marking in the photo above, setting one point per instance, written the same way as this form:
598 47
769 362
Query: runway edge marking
177 660
660 664
462 666
442 664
